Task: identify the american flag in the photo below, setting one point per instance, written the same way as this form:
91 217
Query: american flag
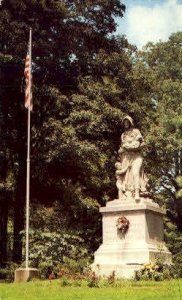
28 80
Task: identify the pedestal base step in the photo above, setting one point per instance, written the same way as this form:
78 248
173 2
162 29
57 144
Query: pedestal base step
121 271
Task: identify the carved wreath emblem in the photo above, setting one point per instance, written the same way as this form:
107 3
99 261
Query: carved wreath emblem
122 224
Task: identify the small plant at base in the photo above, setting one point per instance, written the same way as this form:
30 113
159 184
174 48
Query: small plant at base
63 272
65 282
152 271
112 279
94 280
52 276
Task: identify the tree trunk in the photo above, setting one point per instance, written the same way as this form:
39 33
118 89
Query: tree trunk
19 208
179 214
18 227
3 228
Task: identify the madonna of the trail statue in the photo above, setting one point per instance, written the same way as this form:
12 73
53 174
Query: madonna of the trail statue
129 169
132 224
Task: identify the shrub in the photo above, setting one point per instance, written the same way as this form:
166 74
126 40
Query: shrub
66 282
112 279
176 268
50 251
151 271
4 273
7 274
94 281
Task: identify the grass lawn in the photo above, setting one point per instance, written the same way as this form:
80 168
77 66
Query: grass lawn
127 290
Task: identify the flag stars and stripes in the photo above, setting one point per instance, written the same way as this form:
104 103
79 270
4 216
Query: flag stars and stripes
28 81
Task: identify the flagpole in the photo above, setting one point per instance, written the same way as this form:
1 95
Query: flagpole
28 160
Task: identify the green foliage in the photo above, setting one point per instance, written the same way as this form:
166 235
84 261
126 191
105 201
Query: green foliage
173 237
179 192
157 272
160 67
65 282
177 265
77 266
55 245
4 274
68 127
7 274
94 281
89 278
50 250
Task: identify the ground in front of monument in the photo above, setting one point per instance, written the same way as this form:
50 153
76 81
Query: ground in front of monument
62 289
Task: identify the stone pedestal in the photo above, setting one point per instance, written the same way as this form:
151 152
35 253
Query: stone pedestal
142 243
23 274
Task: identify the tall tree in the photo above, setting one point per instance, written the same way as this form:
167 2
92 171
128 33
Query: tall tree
68 38
161 67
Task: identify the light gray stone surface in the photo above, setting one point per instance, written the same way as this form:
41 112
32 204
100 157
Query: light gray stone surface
130 175
142 243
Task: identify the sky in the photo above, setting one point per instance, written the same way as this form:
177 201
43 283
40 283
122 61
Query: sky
150 20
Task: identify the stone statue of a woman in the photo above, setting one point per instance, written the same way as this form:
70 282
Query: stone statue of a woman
129 170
